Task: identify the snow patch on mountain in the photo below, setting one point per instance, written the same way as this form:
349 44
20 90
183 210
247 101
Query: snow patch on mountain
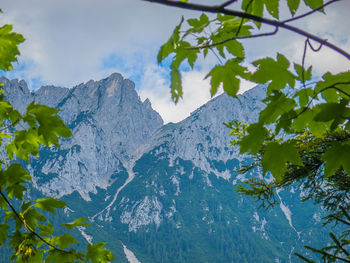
130 256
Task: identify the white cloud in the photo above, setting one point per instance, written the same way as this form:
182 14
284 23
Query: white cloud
155 86
68 42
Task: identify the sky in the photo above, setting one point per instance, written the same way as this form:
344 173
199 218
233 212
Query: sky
69 42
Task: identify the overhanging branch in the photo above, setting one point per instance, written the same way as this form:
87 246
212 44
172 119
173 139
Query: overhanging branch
280 24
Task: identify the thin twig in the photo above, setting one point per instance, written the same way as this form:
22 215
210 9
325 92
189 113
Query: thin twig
303 63
217 9
242 20
9 126
233 38
309 13
27 227
339 245
312 48
333 86
227 3
216 55
327 254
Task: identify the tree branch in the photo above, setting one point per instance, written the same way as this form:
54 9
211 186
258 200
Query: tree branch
333 86
218 9
309 13
327 254
8 126
227 3
233 38
27 227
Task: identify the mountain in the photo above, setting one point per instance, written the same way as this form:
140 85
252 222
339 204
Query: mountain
162 193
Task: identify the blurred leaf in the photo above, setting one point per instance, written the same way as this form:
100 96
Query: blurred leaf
8 46
31 218
46 230
254 7
304 96
64 241
98 254
277 156
16 176
176 85
49 204
77 222
253 141
293 6
337 156
169 47
313 4
3 233
276 105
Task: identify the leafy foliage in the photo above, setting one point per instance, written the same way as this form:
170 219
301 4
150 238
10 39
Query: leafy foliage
24 227
302 136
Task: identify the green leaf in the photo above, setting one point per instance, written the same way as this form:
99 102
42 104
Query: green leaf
272 7
49 204
335 157
3 233
50 125
56 256
3 204
183 52
255 7
169 47
46 230
176 84
198 25
313 4
8 46
77 222
304 96
301 71
293 6
5 110
335 112
235 48
228 76
25 142
32 216
277 156
16 176
275 72
277 104
253 141
98 254
64 241
334 87
306 120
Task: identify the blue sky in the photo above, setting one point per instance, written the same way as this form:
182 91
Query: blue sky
72 41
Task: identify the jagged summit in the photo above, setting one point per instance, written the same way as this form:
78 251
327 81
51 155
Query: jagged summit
109 122
166 191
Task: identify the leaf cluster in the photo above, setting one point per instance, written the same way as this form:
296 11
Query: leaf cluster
302 136
24 226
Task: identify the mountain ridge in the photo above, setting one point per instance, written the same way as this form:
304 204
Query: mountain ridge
164 191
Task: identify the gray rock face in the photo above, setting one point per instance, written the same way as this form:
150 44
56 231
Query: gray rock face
203 136
109 123
112 128
164 190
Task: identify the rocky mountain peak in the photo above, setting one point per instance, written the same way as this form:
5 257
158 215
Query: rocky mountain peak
110 124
